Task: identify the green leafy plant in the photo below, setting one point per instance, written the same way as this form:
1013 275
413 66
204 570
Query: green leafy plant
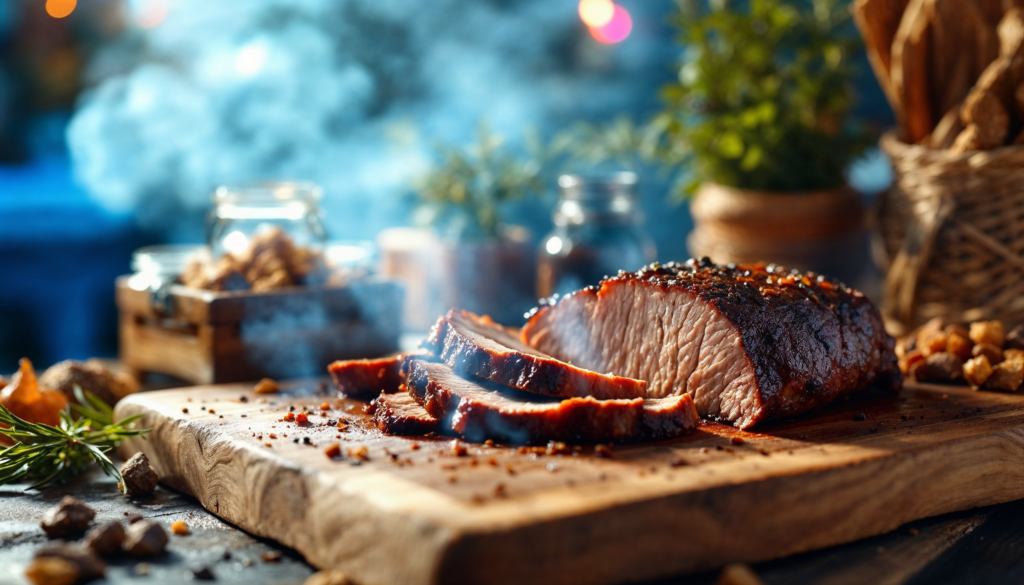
464 196
47 453
763 96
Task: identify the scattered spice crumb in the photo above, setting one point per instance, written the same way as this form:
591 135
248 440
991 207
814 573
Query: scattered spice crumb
860 416
184 410
913 532
325 406
272 556
301 418
457 448
180 528
359 452
333 450
603 451
414 446
737 441
266 386
289 417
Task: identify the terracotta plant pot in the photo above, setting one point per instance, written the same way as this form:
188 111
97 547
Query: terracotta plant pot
824 231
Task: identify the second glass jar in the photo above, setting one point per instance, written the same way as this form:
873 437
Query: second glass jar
598 231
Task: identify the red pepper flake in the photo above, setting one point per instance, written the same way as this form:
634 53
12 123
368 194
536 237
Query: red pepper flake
212 411
500 491
301 418
289 417
333 451
273 435
414 446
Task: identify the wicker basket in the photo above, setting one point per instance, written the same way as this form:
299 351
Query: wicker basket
950 235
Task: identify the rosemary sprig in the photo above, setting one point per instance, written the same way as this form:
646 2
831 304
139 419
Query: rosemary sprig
46 453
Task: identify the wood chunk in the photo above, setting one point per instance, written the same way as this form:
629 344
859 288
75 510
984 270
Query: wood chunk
985 111
977 371
910 71
1006 376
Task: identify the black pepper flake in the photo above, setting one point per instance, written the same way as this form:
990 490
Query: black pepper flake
305 441
860 416
243 399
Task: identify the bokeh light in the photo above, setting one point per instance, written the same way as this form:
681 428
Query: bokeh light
596 13
60 8
617 29
149 13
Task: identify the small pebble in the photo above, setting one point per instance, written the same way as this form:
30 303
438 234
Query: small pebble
106 539
70 517
145 539
138 476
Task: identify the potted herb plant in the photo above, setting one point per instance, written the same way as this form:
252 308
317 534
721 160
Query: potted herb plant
760 115
483 264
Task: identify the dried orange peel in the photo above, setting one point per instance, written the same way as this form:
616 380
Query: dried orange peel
23 397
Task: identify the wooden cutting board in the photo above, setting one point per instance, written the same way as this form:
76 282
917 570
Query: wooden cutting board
415 512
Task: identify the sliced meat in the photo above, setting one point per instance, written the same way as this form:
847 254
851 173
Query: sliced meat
750 342
479 410
367 378
477 346
400 414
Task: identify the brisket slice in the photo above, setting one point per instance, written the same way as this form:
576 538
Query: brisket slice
400 414
479 410
479 347
366 378
748 342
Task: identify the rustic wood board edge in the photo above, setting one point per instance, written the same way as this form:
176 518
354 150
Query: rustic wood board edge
820 497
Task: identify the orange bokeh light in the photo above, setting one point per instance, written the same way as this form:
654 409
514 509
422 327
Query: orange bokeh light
60 8
596 13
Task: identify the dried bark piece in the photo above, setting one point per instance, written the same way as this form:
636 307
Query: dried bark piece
70 517
139 477
910 71
106 539
977 371
964 44
146 538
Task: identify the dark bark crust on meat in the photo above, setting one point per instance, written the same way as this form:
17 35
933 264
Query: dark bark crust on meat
809 339
400 414
479 410
477 346
367 378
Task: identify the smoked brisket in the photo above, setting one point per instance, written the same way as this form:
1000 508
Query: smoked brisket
477 346
750 342
479 410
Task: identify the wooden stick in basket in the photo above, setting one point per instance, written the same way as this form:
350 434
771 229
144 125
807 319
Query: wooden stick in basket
910 71
878 21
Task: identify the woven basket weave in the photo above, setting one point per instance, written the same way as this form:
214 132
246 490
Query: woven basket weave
950 235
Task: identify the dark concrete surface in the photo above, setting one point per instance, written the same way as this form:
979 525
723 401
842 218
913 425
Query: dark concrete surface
231 554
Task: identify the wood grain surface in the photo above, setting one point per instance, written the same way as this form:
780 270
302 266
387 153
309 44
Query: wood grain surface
415 512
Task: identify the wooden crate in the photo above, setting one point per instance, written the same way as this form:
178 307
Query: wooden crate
207 337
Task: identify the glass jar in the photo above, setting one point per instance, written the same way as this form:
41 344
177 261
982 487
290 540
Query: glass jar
598 231
156 268
241 212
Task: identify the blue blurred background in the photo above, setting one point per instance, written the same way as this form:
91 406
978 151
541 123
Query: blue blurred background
119 119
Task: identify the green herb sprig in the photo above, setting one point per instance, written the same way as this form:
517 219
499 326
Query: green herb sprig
55 453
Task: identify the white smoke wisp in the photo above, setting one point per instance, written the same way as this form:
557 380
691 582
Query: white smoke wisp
240 90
